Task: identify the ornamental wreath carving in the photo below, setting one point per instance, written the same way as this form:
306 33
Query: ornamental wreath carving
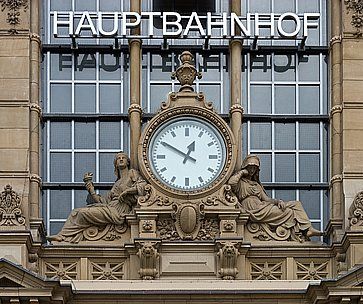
10 212
356 6
14 7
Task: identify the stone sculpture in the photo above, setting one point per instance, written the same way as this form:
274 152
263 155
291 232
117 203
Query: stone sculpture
356 212
107 213
270 219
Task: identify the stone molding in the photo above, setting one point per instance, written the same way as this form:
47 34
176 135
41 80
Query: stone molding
135 108
338 178
10 212
36 178
334 40
236 108
35 107
35 37
335 109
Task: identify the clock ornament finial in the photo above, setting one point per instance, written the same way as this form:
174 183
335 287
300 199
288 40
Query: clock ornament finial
186 72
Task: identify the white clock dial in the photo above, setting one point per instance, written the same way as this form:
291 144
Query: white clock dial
187 154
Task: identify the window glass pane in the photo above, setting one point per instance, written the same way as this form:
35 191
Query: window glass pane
110 67
265 167
285 195
61 66
260 67
110 135
285 167
213 94
83 162
56 5
260 136
85 66
110 98
85 135
309 68
110 5
161 66
81 198
106 167
210 67
284 67
60 98
60 167
60 135
85 5
55 227
158 94
283 6
285 136
309 136
285 99
309 100
309 167
310 6
85 98
311 202
260 6
61 204
260 99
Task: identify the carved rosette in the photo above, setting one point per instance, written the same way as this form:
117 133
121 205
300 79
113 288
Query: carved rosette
148 255
10 212
356 212
228 254
356 9
14 7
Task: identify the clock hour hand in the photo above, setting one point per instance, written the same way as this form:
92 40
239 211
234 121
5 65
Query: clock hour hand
165 144
190 148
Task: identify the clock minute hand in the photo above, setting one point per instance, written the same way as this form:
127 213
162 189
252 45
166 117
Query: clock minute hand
165 144
190 148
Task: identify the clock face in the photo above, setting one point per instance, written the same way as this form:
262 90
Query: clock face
187 154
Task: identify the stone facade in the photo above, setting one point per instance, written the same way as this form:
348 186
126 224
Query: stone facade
160 257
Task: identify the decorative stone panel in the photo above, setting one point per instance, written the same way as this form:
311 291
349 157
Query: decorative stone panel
267 269
63 270
312 270
110 270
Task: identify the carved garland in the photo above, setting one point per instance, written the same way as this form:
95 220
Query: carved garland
356 6
190 112
14 7
10 212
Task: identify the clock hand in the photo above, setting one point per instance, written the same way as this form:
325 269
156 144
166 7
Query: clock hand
190 148
165 144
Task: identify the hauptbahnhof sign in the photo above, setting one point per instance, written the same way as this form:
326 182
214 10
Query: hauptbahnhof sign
173 25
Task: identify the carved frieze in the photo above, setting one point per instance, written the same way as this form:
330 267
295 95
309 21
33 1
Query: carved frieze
355 7
10 212
356 212
312 270
209 230
107 270
266 270
63 270
14 7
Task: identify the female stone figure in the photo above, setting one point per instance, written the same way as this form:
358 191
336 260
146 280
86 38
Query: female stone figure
110 209
269 218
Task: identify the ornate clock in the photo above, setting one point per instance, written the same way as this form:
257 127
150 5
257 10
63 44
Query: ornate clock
187 148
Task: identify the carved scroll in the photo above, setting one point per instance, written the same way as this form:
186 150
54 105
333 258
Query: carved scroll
356 212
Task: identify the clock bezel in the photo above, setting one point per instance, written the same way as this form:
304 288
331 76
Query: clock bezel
189 119
188 112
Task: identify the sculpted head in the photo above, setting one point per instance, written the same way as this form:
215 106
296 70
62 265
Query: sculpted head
252 164
121 161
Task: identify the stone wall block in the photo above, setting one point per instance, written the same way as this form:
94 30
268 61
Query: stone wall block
14 67
14 89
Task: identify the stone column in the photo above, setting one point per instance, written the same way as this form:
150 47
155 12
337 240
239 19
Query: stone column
135 109
236 110
35 112
336 208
